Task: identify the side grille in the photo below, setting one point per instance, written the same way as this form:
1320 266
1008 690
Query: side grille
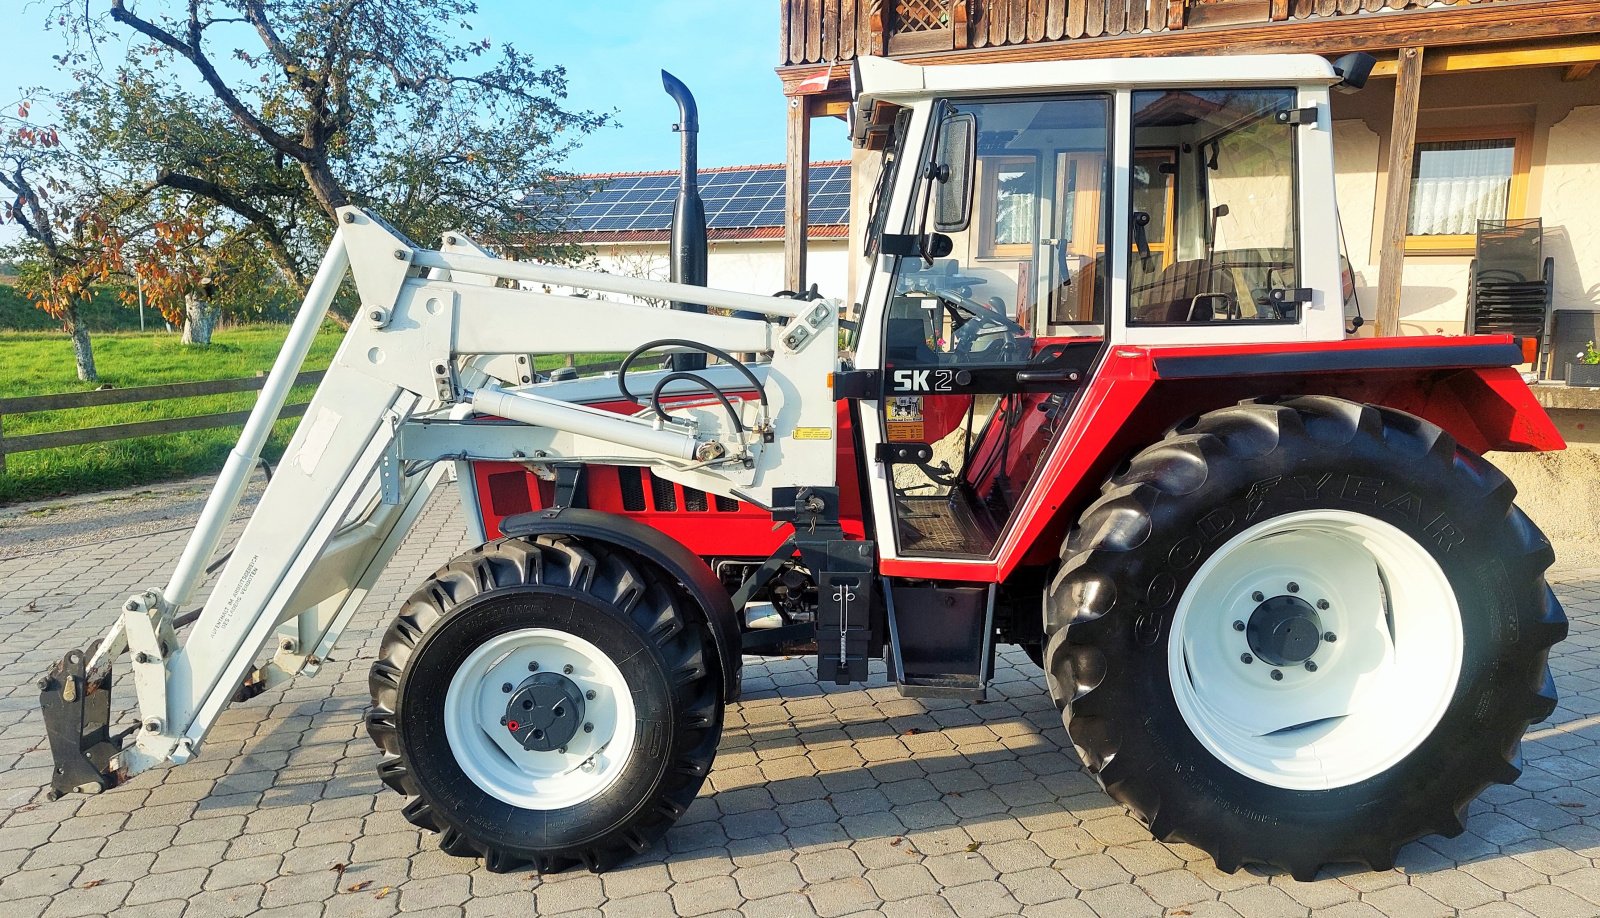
661 491
694 501
630 479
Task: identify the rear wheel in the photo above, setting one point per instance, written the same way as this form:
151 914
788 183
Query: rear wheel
545 702
1302 633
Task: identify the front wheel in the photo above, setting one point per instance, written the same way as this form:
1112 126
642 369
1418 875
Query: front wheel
545 702
1303 633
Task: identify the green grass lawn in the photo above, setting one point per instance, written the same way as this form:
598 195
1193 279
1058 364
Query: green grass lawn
39 363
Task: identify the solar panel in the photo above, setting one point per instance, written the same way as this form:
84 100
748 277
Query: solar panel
734 199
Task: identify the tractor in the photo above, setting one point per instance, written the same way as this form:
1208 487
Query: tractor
1096 394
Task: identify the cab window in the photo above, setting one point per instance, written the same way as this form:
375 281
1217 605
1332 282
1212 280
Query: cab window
1030 262
1214 224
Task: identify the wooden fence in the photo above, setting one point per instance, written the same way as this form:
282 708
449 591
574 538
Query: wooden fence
29 404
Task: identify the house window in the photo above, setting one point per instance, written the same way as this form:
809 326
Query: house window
1459 178
1010 206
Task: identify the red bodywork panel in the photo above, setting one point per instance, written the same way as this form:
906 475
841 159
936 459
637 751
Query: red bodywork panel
706 525
1139 392
1136 394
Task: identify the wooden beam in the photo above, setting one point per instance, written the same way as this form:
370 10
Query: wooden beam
1466 60
1434 27
1177 12
1577 72
1397 197
796 192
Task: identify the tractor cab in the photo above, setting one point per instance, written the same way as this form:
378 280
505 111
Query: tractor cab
1018 229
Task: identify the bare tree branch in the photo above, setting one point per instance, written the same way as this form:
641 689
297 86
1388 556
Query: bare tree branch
197 56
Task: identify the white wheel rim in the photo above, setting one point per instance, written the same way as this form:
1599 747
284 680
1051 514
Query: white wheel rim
484 748
1377 691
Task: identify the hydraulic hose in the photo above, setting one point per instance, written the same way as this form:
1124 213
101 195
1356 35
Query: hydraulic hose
655 397
636 353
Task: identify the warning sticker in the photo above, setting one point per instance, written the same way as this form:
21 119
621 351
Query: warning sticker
903 417
813 433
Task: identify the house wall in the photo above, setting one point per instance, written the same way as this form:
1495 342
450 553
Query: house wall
748 267
1563 183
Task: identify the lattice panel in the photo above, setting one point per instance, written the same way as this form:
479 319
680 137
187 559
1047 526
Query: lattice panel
913 16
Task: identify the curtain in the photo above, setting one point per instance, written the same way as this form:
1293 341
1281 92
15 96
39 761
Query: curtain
1456 183
1015 196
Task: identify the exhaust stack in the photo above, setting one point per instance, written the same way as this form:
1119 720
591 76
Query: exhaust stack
688 253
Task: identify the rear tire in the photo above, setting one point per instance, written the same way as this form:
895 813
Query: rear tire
618 649
1433 569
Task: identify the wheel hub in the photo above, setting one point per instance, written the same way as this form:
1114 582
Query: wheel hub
1284 631
545 712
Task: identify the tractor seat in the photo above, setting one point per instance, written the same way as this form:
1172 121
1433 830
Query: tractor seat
1170 297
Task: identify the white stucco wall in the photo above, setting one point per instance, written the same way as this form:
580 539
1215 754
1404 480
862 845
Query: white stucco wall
1571 207
1563 186
1355 164
1433 296
748 267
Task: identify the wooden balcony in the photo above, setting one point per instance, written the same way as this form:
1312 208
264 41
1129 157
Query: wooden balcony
816 32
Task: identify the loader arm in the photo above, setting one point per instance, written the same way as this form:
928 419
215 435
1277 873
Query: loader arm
439 343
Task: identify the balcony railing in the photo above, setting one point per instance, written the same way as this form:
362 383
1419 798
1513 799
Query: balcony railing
822 31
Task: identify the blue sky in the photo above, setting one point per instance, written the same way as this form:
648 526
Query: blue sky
614 51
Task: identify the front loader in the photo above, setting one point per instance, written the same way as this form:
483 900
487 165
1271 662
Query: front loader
1095 396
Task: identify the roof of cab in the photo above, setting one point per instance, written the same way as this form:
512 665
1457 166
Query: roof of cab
895 81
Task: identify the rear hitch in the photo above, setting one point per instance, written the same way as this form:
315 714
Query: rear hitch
77 720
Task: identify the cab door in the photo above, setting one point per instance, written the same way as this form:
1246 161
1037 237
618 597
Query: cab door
993 319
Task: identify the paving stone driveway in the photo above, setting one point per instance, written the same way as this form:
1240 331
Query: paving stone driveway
822 802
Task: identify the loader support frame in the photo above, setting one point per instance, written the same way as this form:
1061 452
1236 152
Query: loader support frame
76 706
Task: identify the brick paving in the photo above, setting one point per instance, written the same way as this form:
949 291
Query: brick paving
823 802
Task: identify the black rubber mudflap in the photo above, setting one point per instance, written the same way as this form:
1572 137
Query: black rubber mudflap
77 714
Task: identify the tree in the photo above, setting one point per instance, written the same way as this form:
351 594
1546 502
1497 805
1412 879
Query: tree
279 112
62 253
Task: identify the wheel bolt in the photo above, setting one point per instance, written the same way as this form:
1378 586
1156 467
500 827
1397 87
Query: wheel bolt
1246 658
1311 666
589 694
1257 596
533 666
588 728
1294 587
1322 604
1330 637
506 687
1277 676
562 750
567 669
1238 626
504 721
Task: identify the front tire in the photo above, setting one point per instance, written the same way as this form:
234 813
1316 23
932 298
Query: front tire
1302 633
546 702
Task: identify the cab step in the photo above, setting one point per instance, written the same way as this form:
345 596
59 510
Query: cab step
941 638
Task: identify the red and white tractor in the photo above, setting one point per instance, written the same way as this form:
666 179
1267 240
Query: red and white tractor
1094 396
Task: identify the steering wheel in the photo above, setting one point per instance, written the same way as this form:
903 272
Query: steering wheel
986 332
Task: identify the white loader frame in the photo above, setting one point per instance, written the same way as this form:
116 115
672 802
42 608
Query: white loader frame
439 341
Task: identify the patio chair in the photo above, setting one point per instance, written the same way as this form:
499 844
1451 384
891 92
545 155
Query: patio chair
1511 285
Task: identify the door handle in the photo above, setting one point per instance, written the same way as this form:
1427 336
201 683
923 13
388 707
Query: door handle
1030 376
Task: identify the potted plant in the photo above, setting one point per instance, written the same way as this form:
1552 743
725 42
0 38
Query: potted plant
1585 371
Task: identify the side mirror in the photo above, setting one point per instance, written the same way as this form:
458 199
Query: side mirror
954 158
1353 70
